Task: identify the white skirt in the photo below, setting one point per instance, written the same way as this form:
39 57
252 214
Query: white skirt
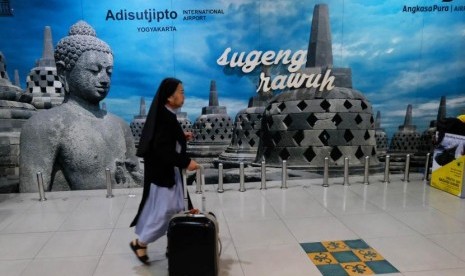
161 204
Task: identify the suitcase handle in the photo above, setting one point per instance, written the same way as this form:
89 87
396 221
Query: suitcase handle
184 184
201 179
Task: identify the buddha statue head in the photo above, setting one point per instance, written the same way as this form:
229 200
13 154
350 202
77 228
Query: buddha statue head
84 64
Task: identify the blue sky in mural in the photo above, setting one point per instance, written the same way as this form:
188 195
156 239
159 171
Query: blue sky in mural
397 58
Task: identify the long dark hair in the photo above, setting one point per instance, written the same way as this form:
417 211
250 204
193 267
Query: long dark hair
165 90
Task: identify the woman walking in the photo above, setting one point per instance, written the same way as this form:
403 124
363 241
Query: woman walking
163 147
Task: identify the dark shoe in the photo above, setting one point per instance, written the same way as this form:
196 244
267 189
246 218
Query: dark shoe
135 246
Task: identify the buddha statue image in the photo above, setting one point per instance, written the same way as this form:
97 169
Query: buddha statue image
72 145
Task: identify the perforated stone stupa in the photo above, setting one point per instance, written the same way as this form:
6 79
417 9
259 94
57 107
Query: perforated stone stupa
184 121
426 138
305 125
405 141
380 136
246 133
212 130
5 9
138 122
14 111
42 81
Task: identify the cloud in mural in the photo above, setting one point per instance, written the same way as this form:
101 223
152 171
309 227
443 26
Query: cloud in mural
397 58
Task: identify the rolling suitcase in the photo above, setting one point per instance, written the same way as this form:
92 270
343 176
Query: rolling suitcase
193 243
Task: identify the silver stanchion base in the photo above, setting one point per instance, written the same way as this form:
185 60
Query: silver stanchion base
131 193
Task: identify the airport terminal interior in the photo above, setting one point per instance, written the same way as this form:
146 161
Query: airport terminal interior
396 228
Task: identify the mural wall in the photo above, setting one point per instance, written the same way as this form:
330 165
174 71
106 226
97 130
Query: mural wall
400 52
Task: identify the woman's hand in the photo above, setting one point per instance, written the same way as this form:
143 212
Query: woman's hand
189 135
193 166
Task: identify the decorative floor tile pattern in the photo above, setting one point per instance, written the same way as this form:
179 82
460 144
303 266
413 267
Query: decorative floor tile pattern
349 257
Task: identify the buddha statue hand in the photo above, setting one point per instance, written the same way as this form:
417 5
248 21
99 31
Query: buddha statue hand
132 168
120 176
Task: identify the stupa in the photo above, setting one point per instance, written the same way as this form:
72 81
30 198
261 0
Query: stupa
381 137
246 132
305 125
212 130
14 111
428 136
184 121
405 141
43 82
138 122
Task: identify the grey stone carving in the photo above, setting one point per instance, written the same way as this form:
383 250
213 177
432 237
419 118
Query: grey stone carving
212 130
380 136
428 136
42 81
73 144
14 111
305 125
184 121
138 122
246 132
405 141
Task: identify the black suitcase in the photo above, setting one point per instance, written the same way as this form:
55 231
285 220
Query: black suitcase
193 243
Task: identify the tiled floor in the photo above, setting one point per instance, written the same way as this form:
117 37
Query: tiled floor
349 257
416 228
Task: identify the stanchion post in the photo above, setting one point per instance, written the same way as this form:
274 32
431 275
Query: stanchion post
198 180
326 172
241 177
184 181
386 169
220 178
108 182
284 175
263 176
426 174
40 184
202 188
407 169
366 175
346 172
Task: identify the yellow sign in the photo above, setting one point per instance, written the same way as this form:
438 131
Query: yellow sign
449 165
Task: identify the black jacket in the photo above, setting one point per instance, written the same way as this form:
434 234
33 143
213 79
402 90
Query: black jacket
162 158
